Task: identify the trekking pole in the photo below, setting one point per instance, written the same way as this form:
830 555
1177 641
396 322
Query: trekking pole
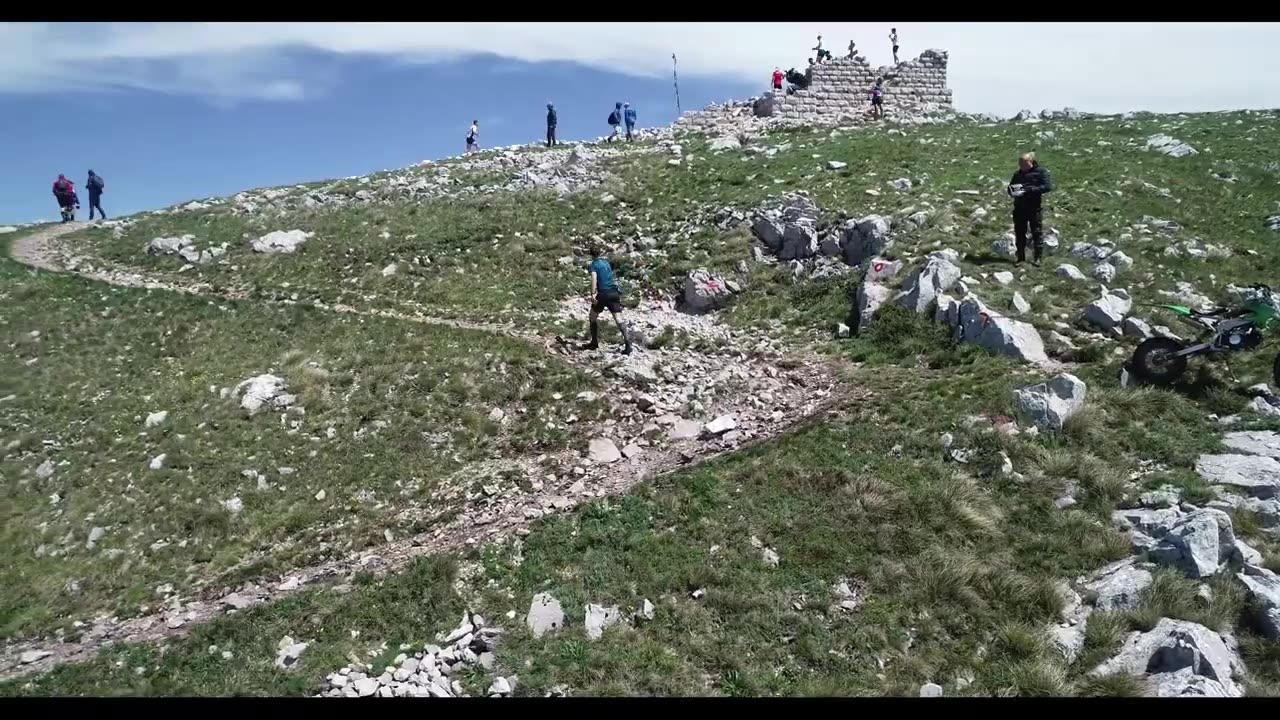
676 80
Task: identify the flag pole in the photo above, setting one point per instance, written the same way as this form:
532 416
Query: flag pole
675 79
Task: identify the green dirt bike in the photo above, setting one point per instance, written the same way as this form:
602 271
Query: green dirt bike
1162 360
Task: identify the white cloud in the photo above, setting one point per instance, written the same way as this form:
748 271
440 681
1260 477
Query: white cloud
998 67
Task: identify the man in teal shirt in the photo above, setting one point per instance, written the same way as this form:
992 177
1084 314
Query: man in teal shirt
605 294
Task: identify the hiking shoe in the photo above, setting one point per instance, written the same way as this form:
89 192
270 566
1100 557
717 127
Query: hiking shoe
626 350
591 346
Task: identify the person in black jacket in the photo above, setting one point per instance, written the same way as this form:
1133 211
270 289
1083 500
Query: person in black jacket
551 124
1027 188
96 186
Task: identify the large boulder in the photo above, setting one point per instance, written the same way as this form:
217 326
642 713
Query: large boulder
866 238
1109 310
281 241
545 615
1200 544
1179 658
920 291
704 290
1264 598
975 323
1049 404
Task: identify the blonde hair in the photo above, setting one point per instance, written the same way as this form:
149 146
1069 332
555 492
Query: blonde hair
1029 157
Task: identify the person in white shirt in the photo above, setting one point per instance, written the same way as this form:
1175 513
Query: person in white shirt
893 38
473 137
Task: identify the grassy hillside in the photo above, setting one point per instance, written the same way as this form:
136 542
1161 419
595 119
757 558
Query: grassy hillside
899 489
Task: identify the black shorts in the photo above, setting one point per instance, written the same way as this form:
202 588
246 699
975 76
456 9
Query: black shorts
611 299
877 101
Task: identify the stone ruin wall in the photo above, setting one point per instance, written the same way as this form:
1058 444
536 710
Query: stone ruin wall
843 85
838 95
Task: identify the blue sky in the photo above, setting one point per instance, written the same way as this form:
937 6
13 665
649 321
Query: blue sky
156 149
173 111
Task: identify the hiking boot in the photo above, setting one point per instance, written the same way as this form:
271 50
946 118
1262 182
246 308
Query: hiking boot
626 349
593 345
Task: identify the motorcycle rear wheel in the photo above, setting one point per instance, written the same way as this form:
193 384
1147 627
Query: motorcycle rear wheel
1154 361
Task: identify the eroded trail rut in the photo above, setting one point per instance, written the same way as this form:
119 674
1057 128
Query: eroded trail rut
766 392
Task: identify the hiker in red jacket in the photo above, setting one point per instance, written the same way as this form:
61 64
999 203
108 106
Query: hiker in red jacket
65 191
777 79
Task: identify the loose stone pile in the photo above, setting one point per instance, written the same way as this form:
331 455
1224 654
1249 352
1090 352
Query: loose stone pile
432 671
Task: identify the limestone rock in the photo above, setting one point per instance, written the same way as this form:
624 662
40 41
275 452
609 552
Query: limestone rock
1049 404
1199 544
603 450
1173 646
1118 586
545 615
1254 475
281 241
1264 598
1109 310
599 617
704 291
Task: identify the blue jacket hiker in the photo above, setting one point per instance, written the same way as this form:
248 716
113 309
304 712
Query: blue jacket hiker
605 294
551 124
629 115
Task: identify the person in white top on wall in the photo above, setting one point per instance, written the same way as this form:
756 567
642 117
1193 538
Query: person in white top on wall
893 38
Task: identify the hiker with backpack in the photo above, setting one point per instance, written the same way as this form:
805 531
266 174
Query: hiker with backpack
65 192
551 124
473 137
629 117
615 119
96 186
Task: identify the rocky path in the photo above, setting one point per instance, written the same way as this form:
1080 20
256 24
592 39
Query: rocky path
753 396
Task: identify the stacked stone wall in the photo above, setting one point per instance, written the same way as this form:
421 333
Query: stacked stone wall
843 86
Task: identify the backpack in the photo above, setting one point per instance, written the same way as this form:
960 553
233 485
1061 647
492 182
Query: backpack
613 118
98 183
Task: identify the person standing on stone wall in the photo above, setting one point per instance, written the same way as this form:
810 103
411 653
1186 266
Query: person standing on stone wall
877 99
893 38
819 52
629 118
1027 187
604 294
551 124
777 79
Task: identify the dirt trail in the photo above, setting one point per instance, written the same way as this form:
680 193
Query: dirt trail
794 389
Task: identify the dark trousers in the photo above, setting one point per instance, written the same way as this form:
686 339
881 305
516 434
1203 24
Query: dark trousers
551 135
1024 219
630 127
95 201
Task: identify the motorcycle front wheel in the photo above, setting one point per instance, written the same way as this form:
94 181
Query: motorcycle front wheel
1154 361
